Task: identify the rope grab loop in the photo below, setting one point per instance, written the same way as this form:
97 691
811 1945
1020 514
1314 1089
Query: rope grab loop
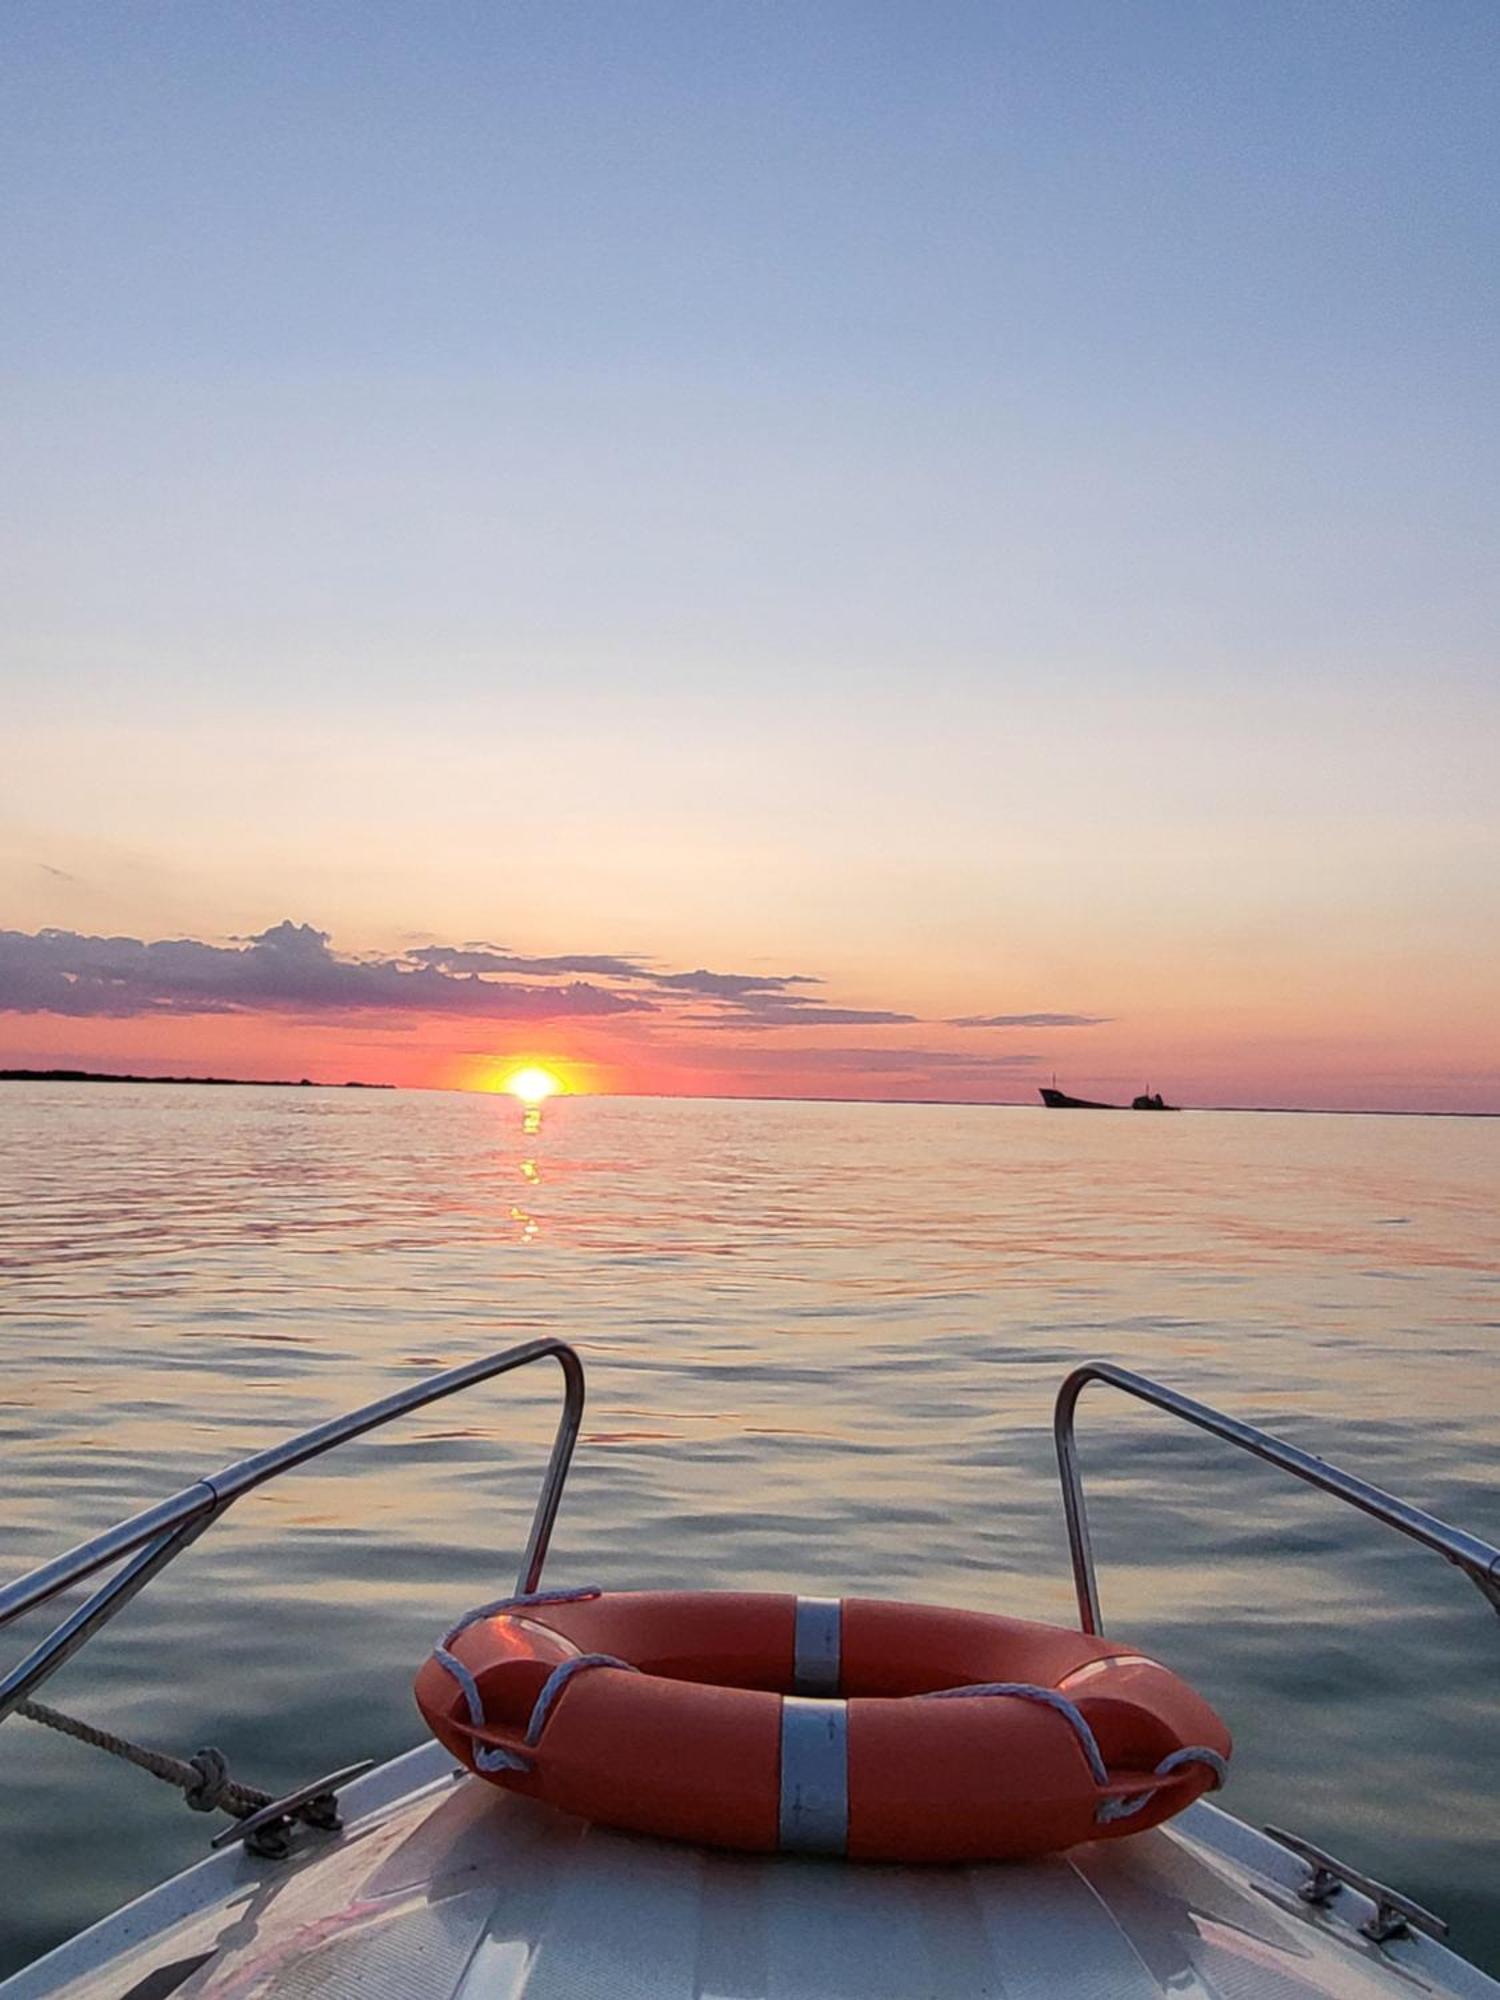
1191 1753
1108 1809
490 1757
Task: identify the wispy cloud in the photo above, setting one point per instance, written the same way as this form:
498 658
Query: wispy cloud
745 986
490 958
804 1068
1030 1021
886 1062
777 1010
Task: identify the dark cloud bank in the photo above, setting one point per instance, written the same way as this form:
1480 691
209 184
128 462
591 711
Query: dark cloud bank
293 969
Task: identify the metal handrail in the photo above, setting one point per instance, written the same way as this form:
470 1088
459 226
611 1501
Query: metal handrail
1478 1560
152 1538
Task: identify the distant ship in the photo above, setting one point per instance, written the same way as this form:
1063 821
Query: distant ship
1059 1100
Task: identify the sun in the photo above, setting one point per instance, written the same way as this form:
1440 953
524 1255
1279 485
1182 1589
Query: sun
530 1081
533 1085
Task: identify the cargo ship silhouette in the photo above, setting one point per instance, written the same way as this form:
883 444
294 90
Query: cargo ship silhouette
1059 1100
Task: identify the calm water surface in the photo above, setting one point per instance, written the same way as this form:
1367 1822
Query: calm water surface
822 1343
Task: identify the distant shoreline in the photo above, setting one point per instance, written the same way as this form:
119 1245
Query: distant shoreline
736 1097
224 1082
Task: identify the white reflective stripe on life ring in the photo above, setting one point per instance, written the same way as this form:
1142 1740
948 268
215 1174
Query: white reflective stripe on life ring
816 1645
814 1816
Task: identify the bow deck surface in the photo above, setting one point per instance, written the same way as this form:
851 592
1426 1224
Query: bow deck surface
442 1888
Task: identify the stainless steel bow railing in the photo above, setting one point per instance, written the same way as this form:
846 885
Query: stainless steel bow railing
155 1537
1478 1560
146 1543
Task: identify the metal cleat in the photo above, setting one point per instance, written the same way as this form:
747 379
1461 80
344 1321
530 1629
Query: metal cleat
1396 1916
268 1832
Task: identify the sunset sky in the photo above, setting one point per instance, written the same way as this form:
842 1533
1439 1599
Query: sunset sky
835 549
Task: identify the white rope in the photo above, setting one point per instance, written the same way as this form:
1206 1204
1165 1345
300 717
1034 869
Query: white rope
1112 1809
490 1756
1047 1697
525 1600
557 1680
1109 1809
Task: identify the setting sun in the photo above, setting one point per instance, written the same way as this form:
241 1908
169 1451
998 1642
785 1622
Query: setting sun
524 1078
532 1085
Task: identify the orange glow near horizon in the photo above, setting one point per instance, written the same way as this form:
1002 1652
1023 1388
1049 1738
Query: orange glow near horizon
1367 1054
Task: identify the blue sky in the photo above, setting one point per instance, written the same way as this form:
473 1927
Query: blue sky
997 443
1084 337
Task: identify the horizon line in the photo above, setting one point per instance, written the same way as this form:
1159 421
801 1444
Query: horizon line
20 1074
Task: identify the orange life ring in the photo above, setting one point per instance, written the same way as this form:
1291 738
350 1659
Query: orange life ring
765 1723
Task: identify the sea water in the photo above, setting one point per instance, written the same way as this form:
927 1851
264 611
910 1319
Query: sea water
822 1343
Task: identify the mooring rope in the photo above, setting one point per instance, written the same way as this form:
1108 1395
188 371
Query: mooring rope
203 1779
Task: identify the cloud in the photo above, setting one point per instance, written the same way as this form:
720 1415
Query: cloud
734 985
491 959
777 1067
290 969
1030 1021
778 1011
294 969
886 1061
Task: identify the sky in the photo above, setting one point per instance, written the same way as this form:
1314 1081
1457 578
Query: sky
801 549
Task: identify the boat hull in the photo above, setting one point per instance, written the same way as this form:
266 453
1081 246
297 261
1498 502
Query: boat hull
1059 1100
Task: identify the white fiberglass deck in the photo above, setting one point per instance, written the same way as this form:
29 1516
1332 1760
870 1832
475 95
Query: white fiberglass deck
443 1886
